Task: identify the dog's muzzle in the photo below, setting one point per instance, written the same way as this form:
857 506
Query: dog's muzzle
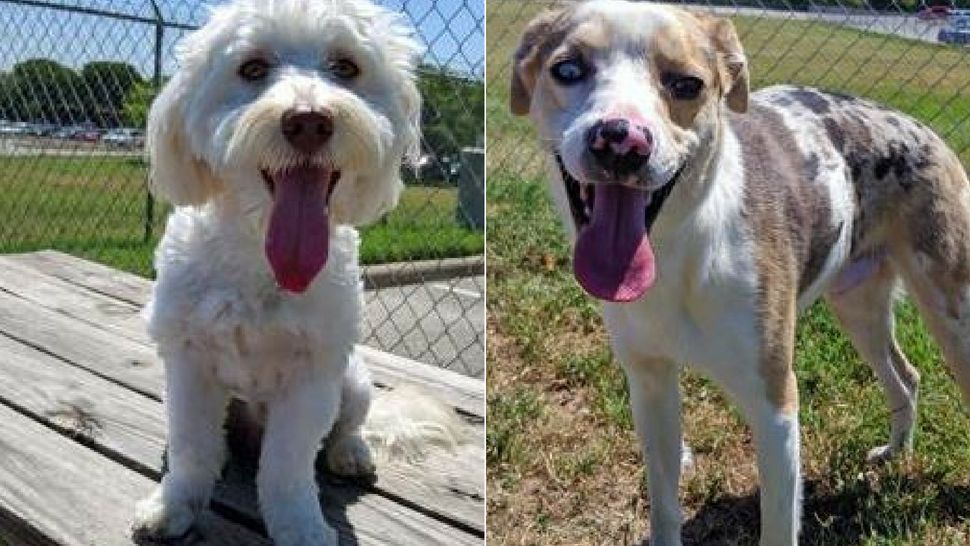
582 197
619 147
307 130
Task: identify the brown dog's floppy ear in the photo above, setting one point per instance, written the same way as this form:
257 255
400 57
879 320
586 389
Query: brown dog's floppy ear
526 59
733 64
177 175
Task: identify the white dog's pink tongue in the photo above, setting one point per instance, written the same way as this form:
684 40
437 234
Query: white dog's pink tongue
613 259
299 232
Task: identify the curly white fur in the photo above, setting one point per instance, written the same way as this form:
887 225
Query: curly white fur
222 325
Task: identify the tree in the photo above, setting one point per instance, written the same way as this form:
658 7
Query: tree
134 111
107 85
45 90
454 106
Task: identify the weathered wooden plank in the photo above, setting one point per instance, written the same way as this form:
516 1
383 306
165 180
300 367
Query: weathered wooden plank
463 392
90 305
106 354
81 405
344 507
129 427
94 276
57 492
103 311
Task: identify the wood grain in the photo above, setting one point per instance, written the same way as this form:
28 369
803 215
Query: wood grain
56 492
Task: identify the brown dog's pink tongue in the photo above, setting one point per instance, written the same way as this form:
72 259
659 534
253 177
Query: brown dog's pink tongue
298 240
613 259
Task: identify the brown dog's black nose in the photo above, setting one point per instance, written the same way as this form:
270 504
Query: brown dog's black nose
620 147
307 130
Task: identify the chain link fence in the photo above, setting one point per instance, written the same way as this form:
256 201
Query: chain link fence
908 54
76 80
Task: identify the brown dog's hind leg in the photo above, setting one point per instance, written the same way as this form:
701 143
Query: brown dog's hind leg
931 248
944 303
866 315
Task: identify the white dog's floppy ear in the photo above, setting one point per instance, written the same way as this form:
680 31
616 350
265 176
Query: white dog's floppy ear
525 62
177 174
735 80
410 134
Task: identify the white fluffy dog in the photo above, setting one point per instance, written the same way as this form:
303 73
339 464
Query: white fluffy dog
286 125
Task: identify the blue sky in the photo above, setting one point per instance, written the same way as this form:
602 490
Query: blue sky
452 29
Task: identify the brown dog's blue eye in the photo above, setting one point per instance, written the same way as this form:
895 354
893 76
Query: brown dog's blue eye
344 69
254 70
569 71
683 87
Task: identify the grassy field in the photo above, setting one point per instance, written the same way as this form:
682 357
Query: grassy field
563 463
94 207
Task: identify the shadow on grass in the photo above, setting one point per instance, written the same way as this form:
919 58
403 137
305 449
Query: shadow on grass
841 518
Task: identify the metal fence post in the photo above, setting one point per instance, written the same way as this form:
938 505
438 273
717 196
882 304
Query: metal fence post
471 188
157 84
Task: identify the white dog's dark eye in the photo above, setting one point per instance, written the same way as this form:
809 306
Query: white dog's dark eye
254 70
344 69
683 87
569 71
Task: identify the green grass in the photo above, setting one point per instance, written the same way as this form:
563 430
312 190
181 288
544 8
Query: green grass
563 461
94 207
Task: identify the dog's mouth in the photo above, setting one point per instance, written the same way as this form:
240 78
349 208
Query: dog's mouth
613 259
298 239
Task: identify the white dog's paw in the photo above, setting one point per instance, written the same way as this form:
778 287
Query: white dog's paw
156 519
350 456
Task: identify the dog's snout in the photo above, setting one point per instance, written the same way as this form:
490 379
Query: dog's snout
615 130
307 130
620 146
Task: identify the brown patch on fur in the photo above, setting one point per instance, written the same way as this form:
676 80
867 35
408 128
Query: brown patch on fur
732 62
790 217
704 47
675 50
938 218
545 32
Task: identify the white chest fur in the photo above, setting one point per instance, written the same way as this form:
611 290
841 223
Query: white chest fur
703 304
215 296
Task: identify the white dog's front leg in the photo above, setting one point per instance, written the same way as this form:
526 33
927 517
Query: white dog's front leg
774 423
196 406
776 436
299 418
655 400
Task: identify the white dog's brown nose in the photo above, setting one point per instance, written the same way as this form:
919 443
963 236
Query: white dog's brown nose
307 130
618 146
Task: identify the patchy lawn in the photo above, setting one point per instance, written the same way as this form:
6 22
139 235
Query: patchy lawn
563 464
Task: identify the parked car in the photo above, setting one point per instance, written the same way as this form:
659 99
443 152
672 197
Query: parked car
88 135
124 137
957 32
72 132
15 128
42 129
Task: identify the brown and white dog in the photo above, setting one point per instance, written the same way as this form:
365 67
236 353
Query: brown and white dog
705 219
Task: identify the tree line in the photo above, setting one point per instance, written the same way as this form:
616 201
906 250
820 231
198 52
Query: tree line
112 94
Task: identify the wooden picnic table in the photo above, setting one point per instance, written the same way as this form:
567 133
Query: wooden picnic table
82 429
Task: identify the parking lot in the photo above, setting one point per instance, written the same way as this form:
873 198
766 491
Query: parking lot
23 138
